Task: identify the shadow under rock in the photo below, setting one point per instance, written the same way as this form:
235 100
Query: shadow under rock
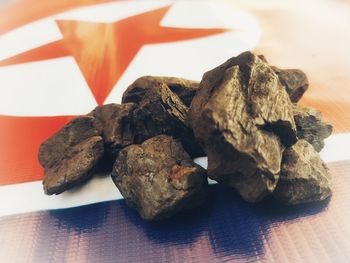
86 218
232 226
58 227
182 228
275 211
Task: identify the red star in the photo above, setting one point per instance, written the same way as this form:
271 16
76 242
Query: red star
104 51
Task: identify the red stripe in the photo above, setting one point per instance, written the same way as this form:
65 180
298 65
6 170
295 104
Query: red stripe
20 138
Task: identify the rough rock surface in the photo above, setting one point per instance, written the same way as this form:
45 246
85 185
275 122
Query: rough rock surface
114 123
70 156
311 127
295 82
242 116
158 178
160 111
304 176
185 89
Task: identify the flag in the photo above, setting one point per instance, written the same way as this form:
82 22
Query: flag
60 59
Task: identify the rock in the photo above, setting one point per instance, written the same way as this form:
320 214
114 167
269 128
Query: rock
242 117
115 124
311 127
304 176
160 111
295 82
185 89
263 58
70 156
158 178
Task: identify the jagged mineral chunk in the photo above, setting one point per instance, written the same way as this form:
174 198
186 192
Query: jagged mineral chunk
242 116
304 176
70 156
295 82
158 178
311 127
185 89
160 111
114 123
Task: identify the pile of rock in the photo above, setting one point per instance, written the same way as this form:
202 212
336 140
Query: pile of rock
242 115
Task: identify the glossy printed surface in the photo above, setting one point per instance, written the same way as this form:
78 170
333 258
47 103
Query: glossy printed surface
103 51
226 228
61 58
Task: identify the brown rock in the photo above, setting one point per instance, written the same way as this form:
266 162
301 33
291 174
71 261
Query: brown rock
158 178
185 89
311 127
263 58
70 155
115 124
304 176
160 111
295 82
241 115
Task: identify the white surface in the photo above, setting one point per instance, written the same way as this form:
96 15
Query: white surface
98 189
336 148
28 37
110 12
45 88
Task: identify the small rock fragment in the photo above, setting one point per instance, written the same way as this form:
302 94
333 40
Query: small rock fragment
294 81
304 176
158 178
160 111
185 89
70 156
114 123
263 58
311 127
241 116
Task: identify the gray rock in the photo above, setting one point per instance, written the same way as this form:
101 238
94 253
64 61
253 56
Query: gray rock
311 127
242 117
158 178
70 156
185 89
304 176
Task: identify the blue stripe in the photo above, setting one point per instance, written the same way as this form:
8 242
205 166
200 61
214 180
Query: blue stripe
226 228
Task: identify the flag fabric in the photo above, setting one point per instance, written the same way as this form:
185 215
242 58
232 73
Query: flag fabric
60 59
